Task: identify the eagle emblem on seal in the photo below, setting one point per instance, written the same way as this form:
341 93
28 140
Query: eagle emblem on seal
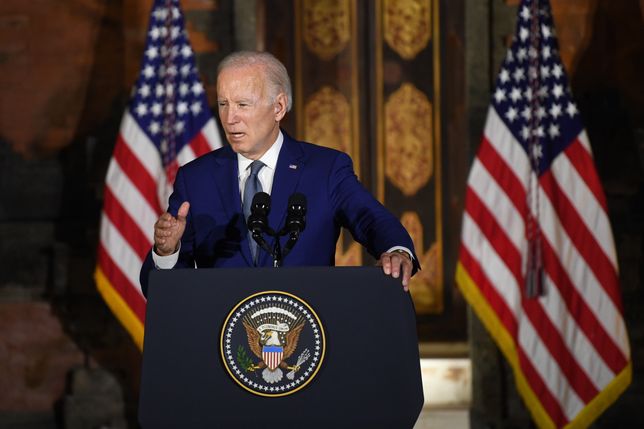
272 343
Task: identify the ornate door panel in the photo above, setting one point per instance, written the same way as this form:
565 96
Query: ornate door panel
407 112
367 81
326 87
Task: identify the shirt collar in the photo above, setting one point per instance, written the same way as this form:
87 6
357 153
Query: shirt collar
269 158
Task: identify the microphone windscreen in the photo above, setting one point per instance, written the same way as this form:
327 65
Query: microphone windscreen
296 213
261 203
297 201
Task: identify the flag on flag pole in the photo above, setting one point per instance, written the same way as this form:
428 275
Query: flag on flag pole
537 260
167 123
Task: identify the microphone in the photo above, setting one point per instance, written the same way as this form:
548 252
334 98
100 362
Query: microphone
296 214
295 220
260 207
257 221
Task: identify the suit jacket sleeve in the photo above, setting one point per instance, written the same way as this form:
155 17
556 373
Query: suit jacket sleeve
370 223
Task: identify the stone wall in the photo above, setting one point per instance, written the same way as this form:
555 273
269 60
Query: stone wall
66 69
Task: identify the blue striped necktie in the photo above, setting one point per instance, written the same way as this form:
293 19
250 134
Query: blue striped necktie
253 186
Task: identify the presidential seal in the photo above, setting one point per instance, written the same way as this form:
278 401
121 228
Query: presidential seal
272 344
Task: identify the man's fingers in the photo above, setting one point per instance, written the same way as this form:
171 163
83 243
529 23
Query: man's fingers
407 267
397 265
385 261
183 211
165 216
162 232
391 264
396 261
168 230
165 221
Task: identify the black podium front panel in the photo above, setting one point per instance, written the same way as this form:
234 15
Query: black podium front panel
369 377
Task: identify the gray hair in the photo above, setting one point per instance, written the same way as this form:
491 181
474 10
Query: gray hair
276 74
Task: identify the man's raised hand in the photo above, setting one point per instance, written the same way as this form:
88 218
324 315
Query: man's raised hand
168 231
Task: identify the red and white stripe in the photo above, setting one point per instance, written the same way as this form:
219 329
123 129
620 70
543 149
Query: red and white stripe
570 343
136 193
272 359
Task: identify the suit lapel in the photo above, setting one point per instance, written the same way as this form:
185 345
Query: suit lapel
287 175
227 184
226 181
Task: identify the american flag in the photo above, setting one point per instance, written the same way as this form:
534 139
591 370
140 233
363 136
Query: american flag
167 123
537 260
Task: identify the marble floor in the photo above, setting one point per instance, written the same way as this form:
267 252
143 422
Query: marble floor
443 419
448 393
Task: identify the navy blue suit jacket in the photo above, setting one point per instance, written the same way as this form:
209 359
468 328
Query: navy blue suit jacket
216 233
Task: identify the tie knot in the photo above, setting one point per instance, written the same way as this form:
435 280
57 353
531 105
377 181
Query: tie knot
255 166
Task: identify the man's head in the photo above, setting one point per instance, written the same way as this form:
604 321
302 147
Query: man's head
253 95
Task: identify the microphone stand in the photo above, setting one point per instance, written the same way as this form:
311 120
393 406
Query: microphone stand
257 236
295 222
277 252
294 235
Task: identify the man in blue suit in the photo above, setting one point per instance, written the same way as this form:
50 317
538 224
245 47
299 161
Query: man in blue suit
205 225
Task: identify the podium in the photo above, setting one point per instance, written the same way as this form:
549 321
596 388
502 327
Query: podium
366 375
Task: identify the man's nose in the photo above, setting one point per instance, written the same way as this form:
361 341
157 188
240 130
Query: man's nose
229 115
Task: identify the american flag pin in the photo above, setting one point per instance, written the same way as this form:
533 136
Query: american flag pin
292 167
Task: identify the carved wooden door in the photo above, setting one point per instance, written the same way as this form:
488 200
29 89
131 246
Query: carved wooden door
366 78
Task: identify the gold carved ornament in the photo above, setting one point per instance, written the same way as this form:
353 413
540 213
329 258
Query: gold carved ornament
424 287
407 26
327 120
351 257
408 139
326 27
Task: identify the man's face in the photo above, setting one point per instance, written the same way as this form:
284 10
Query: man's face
248 114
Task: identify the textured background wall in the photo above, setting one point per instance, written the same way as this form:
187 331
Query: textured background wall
66 69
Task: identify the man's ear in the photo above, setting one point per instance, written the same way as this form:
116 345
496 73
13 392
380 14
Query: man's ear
280 106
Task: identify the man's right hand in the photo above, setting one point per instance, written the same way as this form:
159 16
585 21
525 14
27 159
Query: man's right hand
168 231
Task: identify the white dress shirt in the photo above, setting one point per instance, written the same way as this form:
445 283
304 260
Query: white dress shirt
267 173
